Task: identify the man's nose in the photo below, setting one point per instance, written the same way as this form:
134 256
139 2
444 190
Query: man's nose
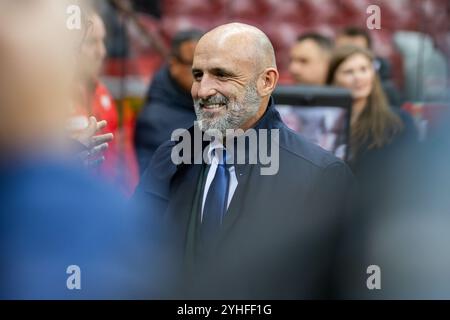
206 87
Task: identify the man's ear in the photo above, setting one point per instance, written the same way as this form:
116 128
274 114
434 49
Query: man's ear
267 82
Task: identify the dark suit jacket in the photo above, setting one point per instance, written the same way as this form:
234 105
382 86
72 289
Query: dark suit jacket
280 234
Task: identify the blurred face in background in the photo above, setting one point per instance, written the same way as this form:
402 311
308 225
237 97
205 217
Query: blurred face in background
93 50
181 65
357 74
37 70
308 63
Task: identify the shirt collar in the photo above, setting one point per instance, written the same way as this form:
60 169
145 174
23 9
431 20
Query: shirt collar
213 146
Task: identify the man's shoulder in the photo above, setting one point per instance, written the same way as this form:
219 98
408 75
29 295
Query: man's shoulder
293 148
298 150
305 162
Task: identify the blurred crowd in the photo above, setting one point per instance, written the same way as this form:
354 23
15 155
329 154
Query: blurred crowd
73 150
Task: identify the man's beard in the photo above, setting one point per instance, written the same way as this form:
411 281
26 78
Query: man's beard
237 113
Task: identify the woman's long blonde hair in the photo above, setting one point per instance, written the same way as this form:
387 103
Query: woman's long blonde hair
377 124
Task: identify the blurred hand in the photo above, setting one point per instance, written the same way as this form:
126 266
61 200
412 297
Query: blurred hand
96 145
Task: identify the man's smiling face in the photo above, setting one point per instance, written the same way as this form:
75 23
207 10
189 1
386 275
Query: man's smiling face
224 91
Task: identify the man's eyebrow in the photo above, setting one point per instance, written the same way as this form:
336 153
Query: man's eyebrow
222 72
216 71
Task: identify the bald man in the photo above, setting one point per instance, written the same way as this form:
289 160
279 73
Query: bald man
238 231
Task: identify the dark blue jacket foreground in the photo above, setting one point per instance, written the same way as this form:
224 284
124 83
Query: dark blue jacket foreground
53 215
168 107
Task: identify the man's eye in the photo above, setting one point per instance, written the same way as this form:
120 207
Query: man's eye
197 76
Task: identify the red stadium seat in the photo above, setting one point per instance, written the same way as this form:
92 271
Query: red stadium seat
249 10
193 7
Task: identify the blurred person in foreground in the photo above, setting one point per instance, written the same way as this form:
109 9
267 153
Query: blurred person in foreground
409 241
310 57
354 36
169 104
418 257
54 215
236 232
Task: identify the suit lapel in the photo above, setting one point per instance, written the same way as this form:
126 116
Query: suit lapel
182 200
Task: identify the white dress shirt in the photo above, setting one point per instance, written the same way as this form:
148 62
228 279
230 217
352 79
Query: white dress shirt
214 160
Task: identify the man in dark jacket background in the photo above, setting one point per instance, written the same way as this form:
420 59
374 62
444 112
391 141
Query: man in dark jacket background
169 103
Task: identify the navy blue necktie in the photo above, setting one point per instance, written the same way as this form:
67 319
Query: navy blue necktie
216 201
